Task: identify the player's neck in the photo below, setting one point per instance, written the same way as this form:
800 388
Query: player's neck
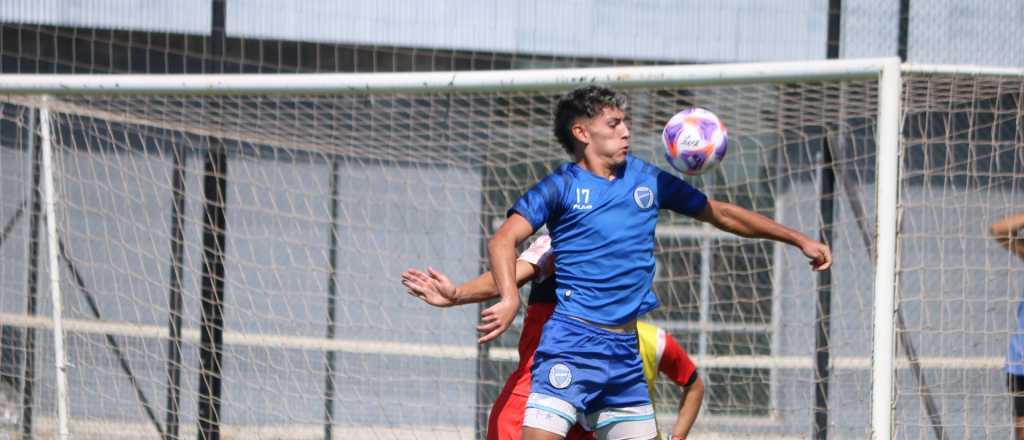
598 166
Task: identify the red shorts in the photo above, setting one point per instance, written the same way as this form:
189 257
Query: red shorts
506 420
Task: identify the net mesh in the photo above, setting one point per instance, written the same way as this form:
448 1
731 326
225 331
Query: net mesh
423 180
961 170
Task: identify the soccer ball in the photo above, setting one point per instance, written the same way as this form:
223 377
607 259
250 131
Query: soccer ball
695 141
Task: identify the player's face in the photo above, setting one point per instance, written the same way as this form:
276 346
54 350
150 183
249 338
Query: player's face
608 135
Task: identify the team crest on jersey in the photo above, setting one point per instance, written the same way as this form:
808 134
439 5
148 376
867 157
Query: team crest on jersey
644 197
560 376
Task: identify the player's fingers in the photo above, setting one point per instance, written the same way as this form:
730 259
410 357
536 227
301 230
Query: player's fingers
820 264
412 273
419 276
416 285
409 279
824 266
490 311
487 328
490 336
413 293
826 259
414 289
424 285
434 274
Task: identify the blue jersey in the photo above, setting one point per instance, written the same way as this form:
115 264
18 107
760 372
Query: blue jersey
1015 355
602 234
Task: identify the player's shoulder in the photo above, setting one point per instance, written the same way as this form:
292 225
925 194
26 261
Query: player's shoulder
564 172
641 167
559 180
553 179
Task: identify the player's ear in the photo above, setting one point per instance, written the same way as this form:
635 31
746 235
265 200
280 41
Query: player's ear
580 133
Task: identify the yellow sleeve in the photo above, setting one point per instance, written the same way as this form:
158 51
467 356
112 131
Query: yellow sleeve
647 337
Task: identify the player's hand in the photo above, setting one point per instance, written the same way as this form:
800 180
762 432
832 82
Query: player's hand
433 287
819 253
495 319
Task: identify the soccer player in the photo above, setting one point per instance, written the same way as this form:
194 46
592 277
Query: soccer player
1007 232
659 351
601 210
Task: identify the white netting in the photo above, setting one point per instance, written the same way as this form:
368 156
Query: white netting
422 179
962 169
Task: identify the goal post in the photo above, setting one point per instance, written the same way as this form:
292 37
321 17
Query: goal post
884 350
337 182
536 80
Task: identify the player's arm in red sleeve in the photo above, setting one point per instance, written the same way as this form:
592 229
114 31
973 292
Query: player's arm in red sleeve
677 366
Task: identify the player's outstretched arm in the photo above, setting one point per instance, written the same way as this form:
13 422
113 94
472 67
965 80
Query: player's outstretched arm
689 407
434 287
502 252
1006 231
747 223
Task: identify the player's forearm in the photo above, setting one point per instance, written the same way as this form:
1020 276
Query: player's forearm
502 252
479 289
746 223
483 287
689 407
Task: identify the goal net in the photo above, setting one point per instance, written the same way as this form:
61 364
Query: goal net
962 169
286 219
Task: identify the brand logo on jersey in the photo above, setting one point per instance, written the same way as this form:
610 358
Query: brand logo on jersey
560 376
643 196
582 199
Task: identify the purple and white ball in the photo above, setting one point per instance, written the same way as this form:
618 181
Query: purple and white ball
695 141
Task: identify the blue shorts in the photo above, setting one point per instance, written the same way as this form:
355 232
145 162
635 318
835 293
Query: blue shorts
586 374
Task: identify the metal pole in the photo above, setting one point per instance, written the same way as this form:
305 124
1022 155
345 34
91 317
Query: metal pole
32 284
904 30
887 188
822 337
214 242
50 198
826 205
332 300
442 82
212 322
175 300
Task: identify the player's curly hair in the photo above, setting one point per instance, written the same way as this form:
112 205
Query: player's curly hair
583 102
